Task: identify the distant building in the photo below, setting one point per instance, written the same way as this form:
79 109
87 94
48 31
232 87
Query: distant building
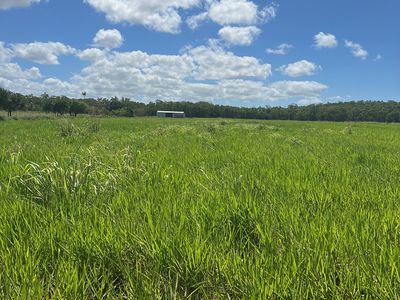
170 114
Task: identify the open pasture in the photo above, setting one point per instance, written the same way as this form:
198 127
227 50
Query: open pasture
147 208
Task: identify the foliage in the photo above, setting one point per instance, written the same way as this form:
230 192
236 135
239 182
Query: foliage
152 208
10 101
378 111
76 108
4 94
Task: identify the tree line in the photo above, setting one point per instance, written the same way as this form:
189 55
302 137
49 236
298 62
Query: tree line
377 111
58 105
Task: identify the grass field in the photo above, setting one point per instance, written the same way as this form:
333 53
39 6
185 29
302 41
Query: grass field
26 115
147 208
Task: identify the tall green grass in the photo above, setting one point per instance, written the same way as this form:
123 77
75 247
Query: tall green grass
198 209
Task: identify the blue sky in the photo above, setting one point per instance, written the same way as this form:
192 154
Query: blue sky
238 52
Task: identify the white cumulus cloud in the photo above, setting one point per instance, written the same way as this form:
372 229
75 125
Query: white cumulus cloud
42 53
92 54
280 50
5 53
13 71
356 49
6 4
241 36
109 39
300 68
309 101
233 12
240 12
159 15
325 40
291 89
216 63
194 21
202 73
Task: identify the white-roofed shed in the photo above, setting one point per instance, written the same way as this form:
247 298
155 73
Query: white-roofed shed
170 114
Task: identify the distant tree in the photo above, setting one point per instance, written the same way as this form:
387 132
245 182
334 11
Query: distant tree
48 106
76 108
292 111
4 94
84 94
114 104
61 105
45 96
13 103
393 116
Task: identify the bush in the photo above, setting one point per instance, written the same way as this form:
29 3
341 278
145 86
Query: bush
69 130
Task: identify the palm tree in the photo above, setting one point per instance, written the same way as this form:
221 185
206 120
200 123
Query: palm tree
84 95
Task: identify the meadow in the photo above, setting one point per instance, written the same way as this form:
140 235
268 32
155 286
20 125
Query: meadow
147 208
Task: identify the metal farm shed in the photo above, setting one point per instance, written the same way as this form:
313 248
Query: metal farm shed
170 114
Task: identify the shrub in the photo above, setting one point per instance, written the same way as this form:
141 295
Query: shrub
69 129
